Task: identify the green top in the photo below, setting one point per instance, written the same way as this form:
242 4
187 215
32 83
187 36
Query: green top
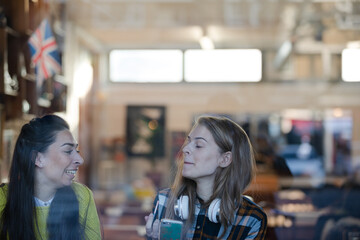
87 208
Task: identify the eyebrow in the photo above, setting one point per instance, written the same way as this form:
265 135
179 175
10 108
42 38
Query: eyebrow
70 144
198 138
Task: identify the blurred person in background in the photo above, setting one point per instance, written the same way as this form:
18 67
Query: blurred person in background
216 167
341 220
41 200
267 158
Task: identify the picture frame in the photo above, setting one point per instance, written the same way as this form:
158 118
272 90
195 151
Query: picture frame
145 131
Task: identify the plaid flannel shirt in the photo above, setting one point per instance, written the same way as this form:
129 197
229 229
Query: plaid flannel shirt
249 223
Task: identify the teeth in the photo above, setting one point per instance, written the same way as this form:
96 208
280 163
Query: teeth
73 172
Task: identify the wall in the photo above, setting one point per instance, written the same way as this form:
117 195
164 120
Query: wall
183 101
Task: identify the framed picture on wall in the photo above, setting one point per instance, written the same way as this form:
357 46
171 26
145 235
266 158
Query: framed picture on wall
145 131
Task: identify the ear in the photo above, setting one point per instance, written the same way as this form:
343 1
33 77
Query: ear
39 160
226 159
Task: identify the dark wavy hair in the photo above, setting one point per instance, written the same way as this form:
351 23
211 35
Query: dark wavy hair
18 219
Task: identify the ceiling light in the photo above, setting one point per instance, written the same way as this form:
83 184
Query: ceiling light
206 43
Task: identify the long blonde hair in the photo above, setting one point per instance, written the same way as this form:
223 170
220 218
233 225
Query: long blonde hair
231 181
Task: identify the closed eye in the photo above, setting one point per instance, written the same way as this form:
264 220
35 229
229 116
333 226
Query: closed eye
70 151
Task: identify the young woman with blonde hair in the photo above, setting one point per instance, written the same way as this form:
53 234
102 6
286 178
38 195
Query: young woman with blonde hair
216 166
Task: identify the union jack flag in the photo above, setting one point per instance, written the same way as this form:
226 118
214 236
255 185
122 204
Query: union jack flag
44 53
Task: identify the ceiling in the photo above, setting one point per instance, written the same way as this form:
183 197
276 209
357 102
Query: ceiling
263 24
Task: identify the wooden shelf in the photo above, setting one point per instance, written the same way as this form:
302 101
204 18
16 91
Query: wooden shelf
30 77
12 32
22 17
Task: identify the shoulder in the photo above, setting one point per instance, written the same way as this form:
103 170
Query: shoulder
82 192
3 188
250 220
80 188
251 209
3 193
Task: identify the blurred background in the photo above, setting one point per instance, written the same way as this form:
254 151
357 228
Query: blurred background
131 76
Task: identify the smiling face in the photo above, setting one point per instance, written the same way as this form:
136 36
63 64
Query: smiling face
202 156
58 165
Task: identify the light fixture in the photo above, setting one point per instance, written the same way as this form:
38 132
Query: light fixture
338 112
283 54
205 41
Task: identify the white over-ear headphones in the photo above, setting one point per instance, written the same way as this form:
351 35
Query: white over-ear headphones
181 208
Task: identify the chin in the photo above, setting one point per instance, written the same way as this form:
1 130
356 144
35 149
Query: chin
186 175
67 183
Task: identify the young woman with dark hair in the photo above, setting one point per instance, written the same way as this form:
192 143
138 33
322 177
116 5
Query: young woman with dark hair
41 200
216 166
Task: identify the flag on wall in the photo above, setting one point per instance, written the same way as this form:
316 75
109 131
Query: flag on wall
44 53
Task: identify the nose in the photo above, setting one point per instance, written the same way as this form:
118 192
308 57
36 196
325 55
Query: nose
185 149
78 159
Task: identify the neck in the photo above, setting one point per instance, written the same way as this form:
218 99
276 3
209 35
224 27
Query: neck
44 193
42 189
204 189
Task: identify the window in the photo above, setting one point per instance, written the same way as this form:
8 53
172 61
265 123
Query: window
146 65
230 65
220 65
350 65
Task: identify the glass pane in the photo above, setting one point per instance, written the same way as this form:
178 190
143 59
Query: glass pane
146 65
350 65
230 65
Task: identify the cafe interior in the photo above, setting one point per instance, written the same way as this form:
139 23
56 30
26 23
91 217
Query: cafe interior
133 76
